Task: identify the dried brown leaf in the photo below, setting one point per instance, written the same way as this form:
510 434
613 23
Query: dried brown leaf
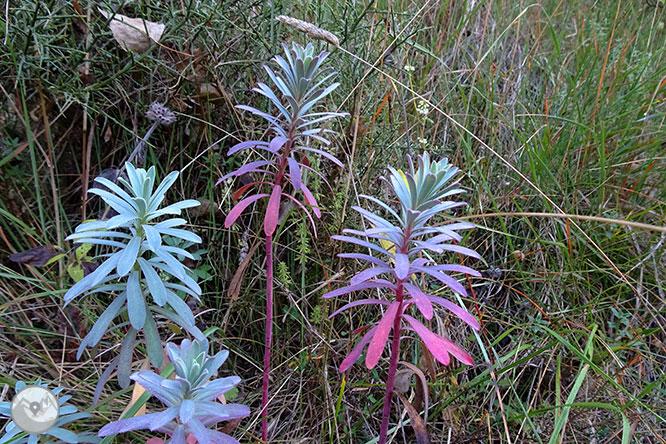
37 257
420 431
133 34
234 286
421 389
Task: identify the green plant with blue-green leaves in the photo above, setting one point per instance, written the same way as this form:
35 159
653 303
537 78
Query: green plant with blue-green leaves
191 397
142 266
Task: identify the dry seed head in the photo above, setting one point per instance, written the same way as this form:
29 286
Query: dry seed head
311 30
160 114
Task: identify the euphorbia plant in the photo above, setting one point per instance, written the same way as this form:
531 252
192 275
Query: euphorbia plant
191 397
301 82
145 273
405 251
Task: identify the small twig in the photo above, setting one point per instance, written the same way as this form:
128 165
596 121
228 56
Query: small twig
606 220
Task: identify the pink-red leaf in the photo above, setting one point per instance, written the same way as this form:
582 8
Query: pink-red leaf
244 188
309 198
401 266
457 268
368 274
438 346
365 285
238 209
353 356
358 302
307 213
247 168
277 143
272 211
380 338
422 302
245 145
306 164
456 310
322 153
364 257
444 278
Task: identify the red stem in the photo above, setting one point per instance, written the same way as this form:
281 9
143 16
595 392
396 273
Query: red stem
269 294
393 366
269 335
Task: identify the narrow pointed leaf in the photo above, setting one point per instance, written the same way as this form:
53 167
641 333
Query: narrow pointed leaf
273 211
294 173
380 338
238 209
353 356
401 266
422 302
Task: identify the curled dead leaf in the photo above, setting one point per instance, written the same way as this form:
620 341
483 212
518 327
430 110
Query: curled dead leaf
209 90
421 389
403 381
133 34
234 285
37 257
420 431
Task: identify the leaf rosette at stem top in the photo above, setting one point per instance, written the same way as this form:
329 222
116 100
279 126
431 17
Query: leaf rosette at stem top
404 252
190 398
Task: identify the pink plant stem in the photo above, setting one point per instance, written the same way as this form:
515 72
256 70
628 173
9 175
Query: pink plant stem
269 335
393 366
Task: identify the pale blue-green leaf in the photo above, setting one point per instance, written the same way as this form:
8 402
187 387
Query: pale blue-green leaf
152 338
134 178
114 189
136 304
181 234
120 220
128 256
102 323
178 252
174 208
125 358
155 284
152 237
93 278
159 194
119 205
98 234
180 307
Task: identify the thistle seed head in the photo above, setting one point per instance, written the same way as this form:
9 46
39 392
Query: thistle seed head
160 114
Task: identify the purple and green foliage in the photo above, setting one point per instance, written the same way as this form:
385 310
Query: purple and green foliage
301 82
285 158
191 398
406 251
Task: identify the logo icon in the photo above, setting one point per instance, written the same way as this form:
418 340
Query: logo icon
35 409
